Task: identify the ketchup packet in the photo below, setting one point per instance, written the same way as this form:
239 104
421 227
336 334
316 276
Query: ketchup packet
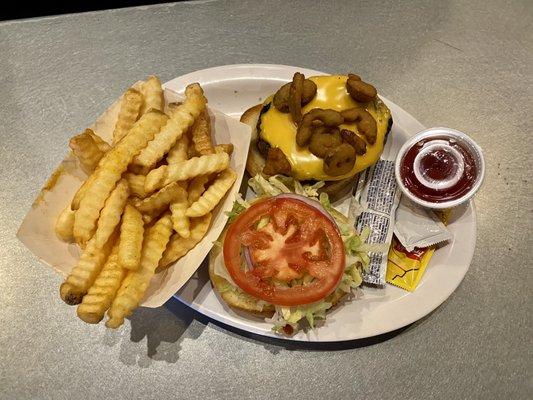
418 227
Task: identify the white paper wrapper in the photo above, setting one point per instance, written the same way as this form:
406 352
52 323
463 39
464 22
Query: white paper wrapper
37 229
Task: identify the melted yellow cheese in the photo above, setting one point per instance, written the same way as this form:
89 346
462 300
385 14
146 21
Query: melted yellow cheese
279 130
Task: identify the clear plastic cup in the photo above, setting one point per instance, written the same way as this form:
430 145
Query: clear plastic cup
441 145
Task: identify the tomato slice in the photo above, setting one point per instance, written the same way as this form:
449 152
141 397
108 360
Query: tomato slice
278 240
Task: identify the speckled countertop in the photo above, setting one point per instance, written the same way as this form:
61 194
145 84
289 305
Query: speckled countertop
463 64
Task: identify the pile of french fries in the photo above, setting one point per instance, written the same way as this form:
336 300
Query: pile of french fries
147 200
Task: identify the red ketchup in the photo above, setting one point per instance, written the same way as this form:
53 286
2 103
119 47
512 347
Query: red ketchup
438 169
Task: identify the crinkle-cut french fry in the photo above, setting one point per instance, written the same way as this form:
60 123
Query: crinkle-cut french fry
191 151
178 152
130 109
153 97
147 218
201 134
179 246
180 221
110 169
101 294
184 170
131 238
85 272
138 169
86 151
172 106
197 187
224 148
134 286
110 215
101 143
212 196
181 118
159 201
136 184
76 200
65 224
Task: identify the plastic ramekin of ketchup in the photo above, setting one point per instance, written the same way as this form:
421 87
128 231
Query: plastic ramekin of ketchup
440 168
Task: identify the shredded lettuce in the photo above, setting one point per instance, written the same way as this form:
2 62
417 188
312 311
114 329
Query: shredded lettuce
239 205
262 187
351 279
293 316
263 222
345 224
236 210
227 287
241 201
304 281
356 249
308 190
278 184
324 200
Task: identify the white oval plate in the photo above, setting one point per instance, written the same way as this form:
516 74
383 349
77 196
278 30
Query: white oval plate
234 88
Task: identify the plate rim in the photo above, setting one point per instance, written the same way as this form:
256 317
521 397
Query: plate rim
467 257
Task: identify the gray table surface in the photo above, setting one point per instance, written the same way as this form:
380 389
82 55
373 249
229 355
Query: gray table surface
463 64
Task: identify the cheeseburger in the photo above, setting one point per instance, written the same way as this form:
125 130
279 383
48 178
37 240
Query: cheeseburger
288 254
321 128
